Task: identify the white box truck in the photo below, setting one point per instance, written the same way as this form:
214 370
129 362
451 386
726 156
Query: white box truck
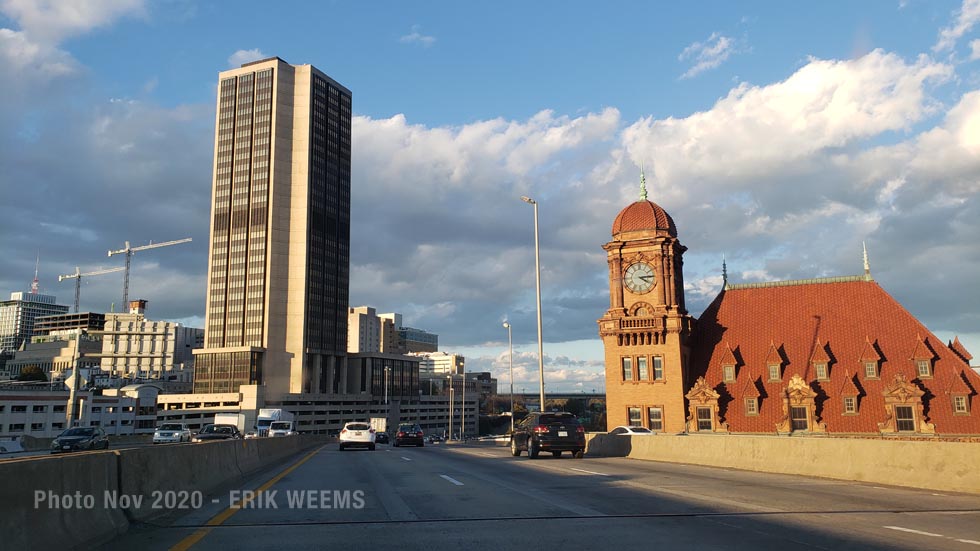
267 416
379 424
237 419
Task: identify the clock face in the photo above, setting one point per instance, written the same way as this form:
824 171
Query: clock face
639 277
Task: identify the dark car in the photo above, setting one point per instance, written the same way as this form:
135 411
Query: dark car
217 432
548 432
409 434
79 439
381 438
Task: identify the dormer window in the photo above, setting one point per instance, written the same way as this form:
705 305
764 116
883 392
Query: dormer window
961 406
871 370
774 374
751 406
923 368
850 405
729 373
821 370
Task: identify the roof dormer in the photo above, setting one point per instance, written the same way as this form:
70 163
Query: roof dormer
774 363
922 358
820 362
870 360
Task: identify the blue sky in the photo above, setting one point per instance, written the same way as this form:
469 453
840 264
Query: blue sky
778 135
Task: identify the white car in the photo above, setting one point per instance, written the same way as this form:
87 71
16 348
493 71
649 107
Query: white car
631 431
281 428
357 435
171 433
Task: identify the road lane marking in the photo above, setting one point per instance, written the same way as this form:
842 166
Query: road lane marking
969 541
406 458
589 472
220 518
911 531
451 479
485 454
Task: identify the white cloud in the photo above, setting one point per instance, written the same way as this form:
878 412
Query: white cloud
755 129
708 54
241 57
966 18
974 50
416 37
30 57
52 21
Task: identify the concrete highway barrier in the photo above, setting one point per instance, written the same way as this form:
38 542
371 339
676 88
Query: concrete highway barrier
80 500
57 502
926 464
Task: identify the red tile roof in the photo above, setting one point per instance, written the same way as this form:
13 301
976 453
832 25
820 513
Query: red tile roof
852 319
960 350
644 215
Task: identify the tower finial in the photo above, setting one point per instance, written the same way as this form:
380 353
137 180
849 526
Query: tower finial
867 265
643 184
724 272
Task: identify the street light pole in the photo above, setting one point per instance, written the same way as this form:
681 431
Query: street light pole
76 357
537 281
510 345
462 407
387 369
450 378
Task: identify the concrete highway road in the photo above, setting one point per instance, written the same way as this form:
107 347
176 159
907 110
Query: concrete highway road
479 497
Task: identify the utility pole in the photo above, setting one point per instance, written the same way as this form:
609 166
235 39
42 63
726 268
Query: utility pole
128 251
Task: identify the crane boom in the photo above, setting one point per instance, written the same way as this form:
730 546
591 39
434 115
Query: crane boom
128 251
78 275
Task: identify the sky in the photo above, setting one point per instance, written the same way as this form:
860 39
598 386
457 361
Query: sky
780 136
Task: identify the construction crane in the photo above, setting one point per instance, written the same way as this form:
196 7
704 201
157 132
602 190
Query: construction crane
128 251
78 275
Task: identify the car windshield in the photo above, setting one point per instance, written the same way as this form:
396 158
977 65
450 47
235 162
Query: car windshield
208 429
358 426
79 432
170 427
279 425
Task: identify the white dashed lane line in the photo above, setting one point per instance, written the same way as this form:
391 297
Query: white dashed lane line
451 479
929 534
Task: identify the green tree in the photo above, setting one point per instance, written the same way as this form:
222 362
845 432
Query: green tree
32 373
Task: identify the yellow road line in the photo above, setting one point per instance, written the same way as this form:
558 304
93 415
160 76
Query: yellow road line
223 516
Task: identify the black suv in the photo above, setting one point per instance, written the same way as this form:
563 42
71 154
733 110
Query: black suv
409 433
548 432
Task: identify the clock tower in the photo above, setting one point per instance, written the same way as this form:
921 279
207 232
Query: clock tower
647 329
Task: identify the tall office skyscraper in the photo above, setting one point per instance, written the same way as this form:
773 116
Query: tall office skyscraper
280 232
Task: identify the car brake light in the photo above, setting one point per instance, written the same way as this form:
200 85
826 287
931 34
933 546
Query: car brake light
371 431
541 428
580 429
343 431
419 434
400 434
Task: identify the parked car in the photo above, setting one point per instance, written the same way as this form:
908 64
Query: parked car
357 435
212 432
381 438
172 433
631 431
554 432
411 434
80 439
251 434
